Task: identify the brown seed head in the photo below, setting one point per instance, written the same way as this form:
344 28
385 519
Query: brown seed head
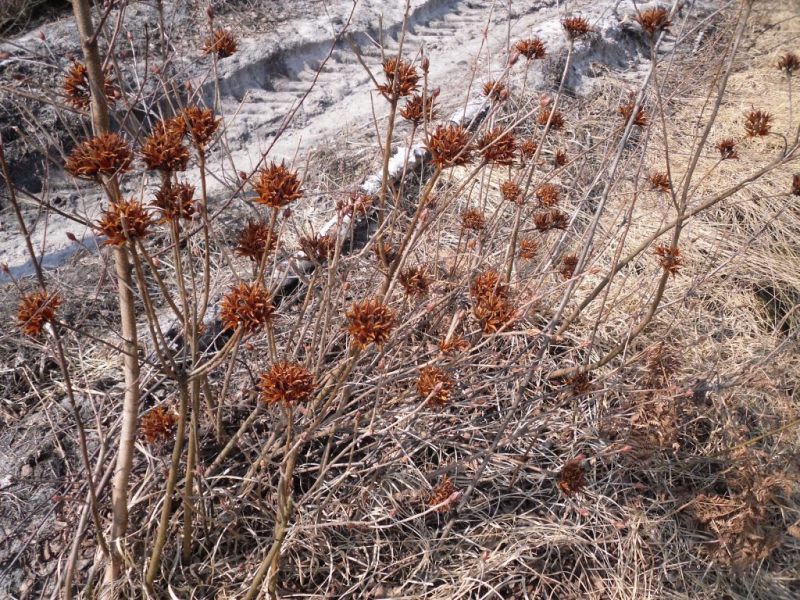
576 28
456 343
727 149
789 63
548 195
174 201
670 258
318 248
441 494
532 48
356 203
221 42
494 312
105 154
415 281
488 283
511 192
420 108
449 146
389 251
286 383
757 123
255 240
654 20
626 110
568 265
277 186
370 321
163 150
560 158
248 305
528 148
550 219
124 217
202 124
556 122
571 478
528 248
496 91
158 425
473 220
498 146
76 86
402 78
659 182
435 385
36 309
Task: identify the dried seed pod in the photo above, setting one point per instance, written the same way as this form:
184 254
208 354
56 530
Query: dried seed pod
531 49
653 20
277 186
163 150
488 283
527 148
287 383
389 252
442 494
202 124
496 91
124 220
420 108
498 146
370 321
449 146
571 478
473 220
556 121
576 28
560 158
659 182
789 63
76 86
174 201
670 258
356 203
727 149
248 305
158 425
105 154
757 123
435 385
568 266
548 194
550 219
626 110
402 78
511 192
255 240
494 312
221 42
415 281
36 309
528 248
456 343
319 248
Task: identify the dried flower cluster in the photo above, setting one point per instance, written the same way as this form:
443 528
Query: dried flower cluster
498 146
286 383
548 194
124 220
370 321
528 147
248 305
727 149
576 28
449 146
654 20
443 495
496 91
277 186
105 154
568 265
528 248
175 201
511 192
789 63
659 181
255 240
420 108
202 124
158 425
356 204
626 110
550 219
473 220
757 123
402 78
389 251
670 258
453 344
531 49
36 309
319 248
492 307
163 150
560 158
571 478
555 118
76 86
221 42
435 385
415 281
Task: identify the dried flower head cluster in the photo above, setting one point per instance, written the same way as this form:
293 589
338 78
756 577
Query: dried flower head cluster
175 201
420 108
555 118
493 309
221 42
402 78
124 220
626 110
76 86
572 477
286 383
202 124
568 266
415 281
370 321
319 248
654 20
531 48
670 258
443 495
355 203
528 248
548 194
248 305
255 240
496 91
528 147
389 251
560 158
789 63
277 186
449 146
511 192
473 220
550 219
498 146
36 309
576 28
659 181
757 123
158 425
163 150
105 154
435 386
727 149
453 344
